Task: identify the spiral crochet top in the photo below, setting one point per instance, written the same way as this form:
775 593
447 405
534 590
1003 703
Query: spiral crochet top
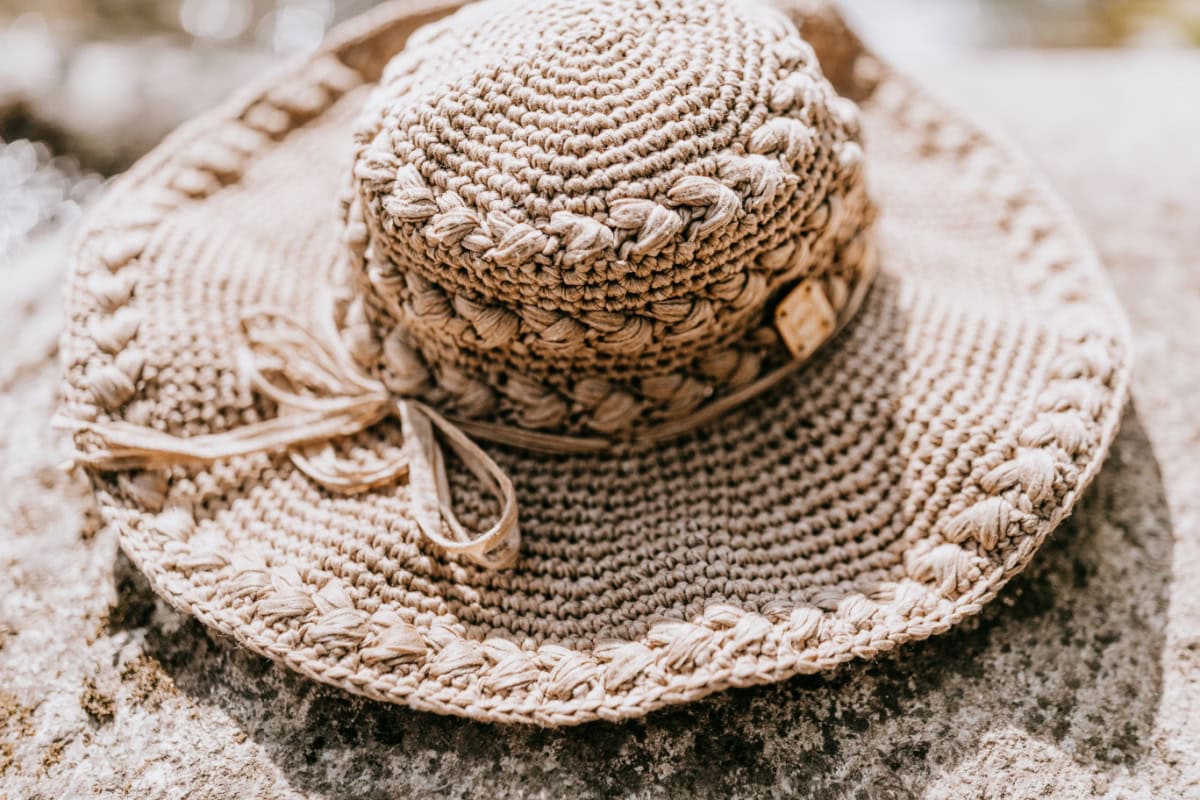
576 213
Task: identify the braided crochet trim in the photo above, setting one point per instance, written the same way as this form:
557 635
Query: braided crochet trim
314 622
612 402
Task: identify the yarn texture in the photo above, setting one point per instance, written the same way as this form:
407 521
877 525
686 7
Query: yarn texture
547 221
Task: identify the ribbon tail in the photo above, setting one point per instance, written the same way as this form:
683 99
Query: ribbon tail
325 470
495 548
122 445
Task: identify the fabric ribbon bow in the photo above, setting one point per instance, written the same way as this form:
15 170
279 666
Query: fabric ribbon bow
322 395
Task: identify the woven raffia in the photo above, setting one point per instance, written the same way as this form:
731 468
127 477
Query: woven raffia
878 496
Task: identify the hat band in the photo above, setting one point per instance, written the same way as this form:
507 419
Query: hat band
323 395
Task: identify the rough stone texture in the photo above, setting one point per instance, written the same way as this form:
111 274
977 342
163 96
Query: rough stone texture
1083 679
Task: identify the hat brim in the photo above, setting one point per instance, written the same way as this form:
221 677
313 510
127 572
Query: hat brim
880 495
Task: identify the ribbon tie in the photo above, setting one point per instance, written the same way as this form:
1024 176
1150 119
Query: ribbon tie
323 395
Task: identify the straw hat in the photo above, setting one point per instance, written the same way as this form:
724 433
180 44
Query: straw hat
561 360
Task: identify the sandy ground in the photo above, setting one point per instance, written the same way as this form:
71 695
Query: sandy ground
1082 680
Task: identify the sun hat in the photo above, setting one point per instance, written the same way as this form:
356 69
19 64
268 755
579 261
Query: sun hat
557 361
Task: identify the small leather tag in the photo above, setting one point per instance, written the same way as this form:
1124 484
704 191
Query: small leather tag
805 318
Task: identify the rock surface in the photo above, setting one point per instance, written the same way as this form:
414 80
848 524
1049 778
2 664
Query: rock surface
1082 680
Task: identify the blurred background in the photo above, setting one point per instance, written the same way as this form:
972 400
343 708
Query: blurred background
87 86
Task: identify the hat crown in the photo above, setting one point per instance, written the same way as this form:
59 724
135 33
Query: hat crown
581 198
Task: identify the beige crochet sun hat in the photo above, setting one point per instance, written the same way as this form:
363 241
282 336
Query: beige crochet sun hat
559 360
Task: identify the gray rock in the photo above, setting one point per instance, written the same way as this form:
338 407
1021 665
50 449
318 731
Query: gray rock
1082 679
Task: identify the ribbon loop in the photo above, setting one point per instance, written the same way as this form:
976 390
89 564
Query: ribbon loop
498 546
322 395
287 363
